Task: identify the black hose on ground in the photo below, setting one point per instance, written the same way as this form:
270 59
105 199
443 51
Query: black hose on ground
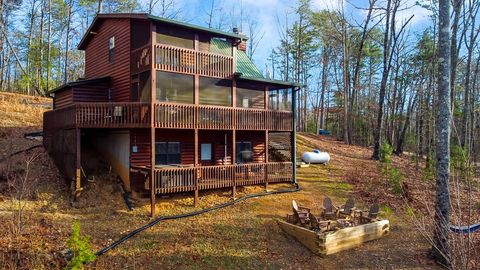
21 151
191 214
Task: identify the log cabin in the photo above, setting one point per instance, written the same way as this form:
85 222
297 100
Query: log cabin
172 107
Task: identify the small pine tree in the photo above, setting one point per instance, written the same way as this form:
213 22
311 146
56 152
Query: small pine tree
81 248
386 151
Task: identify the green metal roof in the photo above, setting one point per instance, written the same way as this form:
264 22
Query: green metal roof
244 63
220 46
246 66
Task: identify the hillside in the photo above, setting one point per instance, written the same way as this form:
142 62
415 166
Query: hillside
241 236
18 110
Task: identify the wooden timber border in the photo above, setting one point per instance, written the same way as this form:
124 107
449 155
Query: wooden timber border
332 242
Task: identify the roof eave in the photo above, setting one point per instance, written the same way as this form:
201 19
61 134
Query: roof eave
79 82
270 81
197 27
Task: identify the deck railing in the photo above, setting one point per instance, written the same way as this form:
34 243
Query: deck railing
112 115
60 118
176 59
166 115
171 180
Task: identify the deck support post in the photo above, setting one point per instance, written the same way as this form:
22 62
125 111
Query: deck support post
265 96
153 99
234 161
78 164
195 198
294 134
266 160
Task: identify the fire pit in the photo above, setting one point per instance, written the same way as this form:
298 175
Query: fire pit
336 229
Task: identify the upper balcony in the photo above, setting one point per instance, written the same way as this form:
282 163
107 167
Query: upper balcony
182 60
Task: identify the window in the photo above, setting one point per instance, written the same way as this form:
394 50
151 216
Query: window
280 99
243 152
206 152
250 95
215 91
167 153
174 87
111 47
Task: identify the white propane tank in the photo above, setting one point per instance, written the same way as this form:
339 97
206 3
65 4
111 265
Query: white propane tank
316 157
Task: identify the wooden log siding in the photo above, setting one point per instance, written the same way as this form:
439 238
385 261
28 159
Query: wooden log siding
189 61
171 180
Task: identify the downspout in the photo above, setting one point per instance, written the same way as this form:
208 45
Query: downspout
294 133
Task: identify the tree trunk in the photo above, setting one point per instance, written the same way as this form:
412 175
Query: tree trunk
441 249
67 40
457 8
383 85
49 45
325 61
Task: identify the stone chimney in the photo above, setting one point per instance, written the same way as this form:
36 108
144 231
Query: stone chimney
242 45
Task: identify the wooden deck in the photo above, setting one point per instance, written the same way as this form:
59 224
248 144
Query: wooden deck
167 115
182 179
182 60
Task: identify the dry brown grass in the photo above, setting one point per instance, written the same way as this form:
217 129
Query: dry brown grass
243 236
17 110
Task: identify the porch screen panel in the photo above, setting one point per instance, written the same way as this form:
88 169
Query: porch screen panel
215 91
175 37
250 96
280 99
174 87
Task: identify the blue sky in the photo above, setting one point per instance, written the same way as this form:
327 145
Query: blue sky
269 13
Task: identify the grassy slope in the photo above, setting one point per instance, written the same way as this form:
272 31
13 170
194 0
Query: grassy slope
242 236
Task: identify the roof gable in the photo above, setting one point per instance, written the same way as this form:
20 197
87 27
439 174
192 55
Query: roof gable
145 16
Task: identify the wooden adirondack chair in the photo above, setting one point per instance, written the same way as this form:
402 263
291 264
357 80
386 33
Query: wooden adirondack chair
300 214
322 225
371 215
346 209
329 211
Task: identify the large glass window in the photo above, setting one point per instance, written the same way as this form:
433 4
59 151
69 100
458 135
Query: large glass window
175 37
280 99
244 152
215 91
250 95
174 87
167 153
